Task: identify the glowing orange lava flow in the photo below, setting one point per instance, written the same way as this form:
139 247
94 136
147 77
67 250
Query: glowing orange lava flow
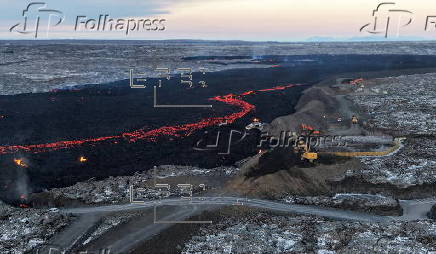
152 135
20 162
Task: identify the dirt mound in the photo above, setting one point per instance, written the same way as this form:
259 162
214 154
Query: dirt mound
312 109
281 172
279 159
321 94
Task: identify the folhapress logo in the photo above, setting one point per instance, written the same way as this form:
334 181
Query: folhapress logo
38 18
106 23
34 15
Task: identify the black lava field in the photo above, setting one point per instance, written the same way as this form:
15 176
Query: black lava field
118 131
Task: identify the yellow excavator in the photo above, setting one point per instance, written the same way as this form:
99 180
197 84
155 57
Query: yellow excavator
354 119
303 148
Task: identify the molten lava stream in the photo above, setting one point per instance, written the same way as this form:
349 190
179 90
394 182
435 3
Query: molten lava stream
152 135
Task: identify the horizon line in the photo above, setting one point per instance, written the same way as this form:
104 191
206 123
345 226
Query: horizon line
309 40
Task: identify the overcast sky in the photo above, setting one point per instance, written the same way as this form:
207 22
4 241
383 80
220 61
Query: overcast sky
256 20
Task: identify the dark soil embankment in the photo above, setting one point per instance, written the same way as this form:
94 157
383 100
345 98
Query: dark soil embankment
282 172
315 103
319 107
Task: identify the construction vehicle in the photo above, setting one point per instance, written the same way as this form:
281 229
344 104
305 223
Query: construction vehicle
354 120
311 157
357 81
303 149
256 124
307 130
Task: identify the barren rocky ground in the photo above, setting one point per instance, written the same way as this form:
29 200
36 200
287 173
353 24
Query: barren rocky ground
374 204
24 229
117 189
403 106
262 232
47 65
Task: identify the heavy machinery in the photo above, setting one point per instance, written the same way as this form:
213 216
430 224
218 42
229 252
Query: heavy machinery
354 120
303 149
256 124
357 81
308 130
